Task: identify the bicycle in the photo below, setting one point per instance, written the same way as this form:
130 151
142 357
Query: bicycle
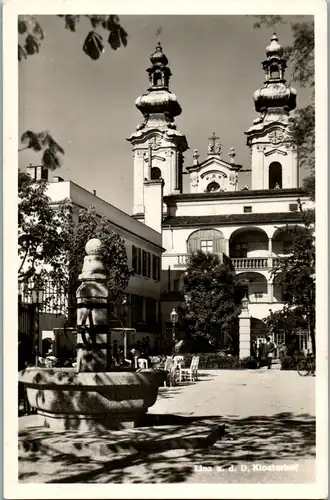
306 366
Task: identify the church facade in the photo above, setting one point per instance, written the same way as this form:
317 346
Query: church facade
248 225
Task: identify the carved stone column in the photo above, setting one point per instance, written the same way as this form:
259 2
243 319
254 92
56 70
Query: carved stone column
93 335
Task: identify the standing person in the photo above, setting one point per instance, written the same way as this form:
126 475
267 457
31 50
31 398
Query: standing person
258 353
270 350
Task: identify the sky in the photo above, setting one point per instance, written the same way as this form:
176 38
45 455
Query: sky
89 106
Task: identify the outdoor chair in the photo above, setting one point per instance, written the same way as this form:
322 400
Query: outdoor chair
170 369
179 366
191 372
143 364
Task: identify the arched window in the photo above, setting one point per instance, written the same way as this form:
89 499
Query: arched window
155 173
274 71
206 240
213 186
275 175
157 78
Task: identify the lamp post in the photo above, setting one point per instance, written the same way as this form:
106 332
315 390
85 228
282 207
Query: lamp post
37 295
174 319
245 303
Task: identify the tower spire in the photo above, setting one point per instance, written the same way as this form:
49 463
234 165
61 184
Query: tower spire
275 97
159 106
158 33
273 154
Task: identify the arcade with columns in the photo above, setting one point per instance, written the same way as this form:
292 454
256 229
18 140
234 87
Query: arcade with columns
247 225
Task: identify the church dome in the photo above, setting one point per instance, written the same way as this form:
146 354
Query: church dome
275 95
158 57
158 101
274 49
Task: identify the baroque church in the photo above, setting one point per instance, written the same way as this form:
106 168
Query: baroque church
247 225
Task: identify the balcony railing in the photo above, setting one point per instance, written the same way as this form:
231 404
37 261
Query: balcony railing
238 263
182 259
250 263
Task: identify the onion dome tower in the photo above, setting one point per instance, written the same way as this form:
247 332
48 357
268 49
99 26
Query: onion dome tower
273 156
158 146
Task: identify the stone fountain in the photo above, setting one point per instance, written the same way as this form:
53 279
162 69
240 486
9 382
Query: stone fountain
94 395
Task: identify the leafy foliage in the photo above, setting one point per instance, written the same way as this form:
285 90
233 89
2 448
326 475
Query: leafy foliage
302 128
213 298
39 231
31 34
296 274
43 141
286 320
300 55
216 361
291 362
113 251
51 242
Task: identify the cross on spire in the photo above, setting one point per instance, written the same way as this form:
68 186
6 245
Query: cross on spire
158 33
214 145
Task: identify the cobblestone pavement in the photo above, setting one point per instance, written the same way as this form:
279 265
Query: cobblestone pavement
270 423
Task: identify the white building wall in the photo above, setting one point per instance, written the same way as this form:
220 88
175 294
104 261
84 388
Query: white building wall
261 311
133 232
235 206
124 223
264 152
175 240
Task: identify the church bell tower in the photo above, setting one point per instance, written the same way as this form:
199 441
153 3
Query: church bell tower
158 146
274 161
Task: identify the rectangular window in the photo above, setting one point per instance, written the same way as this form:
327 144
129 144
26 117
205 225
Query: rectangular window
293 207
134 258
144 263
247 210
154 267
138 261
151 305
241 250
207 246
148 265
158 268
137 309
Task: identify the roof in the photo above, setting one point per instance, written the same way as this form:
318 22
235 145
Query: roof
220 220
213 159
243 194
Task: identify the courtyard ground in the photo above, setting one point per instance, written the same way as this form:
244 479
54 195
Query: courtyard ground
269 418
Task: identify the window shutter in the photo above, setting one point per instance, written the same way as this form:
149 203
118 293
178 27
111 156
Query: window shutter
194 241
138 266
134 258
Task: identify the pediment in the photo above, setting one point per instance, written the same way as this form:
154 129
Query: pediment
155 157
211 164
277 151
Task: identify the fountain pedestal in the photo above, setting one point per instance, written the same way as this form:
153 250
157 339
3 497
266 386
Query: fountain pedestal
91 401
91 396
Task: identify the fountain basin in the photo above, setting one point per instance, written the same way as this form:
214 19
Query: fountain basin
67 399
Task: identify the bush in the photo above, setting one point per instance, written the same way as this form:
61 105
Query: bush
249 362
291 362
219 361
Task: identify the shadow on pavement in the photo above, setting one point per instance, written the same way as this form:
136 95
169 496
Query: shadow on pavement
285 436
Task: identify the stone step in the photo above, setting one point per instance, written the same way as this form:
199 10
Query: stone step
104 446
